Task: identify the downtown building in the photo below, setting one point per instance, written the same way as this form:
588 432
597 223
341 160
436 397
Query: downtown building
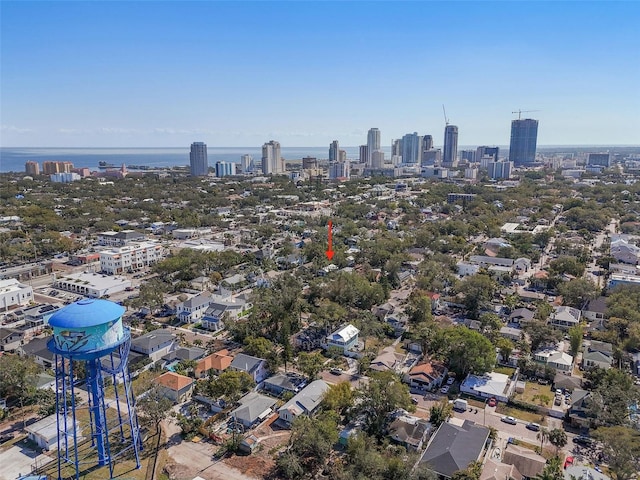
272 161
53 167
485 154
198 162
450 151
246 163
524 138
411 147
130 258
373 144
225 169
500 170
32 168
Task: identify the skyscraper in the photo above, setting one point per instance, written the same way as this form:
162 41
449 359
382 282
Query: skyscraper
246 163
485 154
373 143
427 143
198 159
450 153
364 154
411 149
32 168
524 137
334 150
272 162
224 169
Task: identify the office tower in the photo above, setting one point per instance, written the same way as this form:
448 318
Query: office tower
597 159
198 159
246 163
524 136
396 148
500 170
432 157
377 159
339 170
272 161
427 143
485 154
334 148
468 156
471 173
225 169
309 162
32 168
364 153
373 144
411 149
450 152
342 156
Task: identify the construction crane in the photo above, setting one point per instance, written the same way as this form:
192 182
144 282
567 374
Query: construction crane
520 112
446 120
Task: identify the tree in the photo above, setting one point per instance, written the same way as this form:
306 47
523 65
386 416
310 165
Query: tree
477 291
612 391
152 294
468 351
621 447
231 384
472 472
558 438
542 334
439 412
17 378
577 292
419 308
552 470
543 436
310 364
575 338
154 407
505 347
568 265
339 397
383 394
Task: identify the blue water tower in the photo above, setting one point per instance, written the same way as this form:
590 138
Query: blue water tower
91 332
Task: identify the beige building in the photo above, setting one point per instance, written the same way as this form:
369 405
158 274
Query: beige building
130 258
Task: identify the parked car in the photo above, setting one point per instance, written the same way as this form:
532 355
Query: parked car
6 438
584 440
492 402
336 371
450 380
534 427
509 419
445 389
568 462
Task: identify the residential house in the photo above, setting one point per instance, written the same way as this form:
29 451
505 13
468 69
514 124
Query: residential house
495 470
492 384
184 353
455 447
155 344
305 402
37 349
409 431
511 333
216 363
255 367
11 339
595 310
201 283
426 376
597 355
253 409
528 462
345 338
192 310
280 383
521 315
577 411
565 317
555 359
388 359
624 252
175 387
218 311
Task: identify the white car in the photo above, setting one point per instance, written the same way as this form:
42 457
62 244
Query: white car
450 380
509 419
445 389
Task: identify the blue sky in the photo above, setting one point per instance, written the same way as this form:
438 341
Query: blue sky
134 74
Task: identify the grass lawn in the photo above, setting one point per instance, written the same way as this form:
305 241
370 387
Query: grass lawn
521 414
505 371
532 393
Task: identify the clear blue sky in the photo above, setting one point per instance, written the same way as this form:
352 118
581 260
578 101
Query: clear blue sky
103 74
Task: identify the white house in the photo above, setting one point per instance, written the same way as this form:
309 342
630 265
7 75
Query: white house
345 338
192 310
554 358
254 366
565 317
13 293
489 385
304 402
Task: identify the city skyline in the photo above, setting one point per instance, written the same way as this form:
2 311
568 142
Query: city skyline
107 79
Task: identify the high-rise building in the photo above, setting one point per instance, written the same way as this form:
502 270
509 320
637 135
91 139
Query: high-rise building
450 152
246 163
427 143
364 154
468 156
377 159
272 161
524 137
51 167
485 154
411 149
334 149
198 159
339 170
373 143
396 148
309 162
431 157
500 170
342 155
32 168
599 159
225 169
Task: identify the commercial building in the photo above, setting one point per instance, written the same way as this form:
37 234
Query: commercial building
130 257
500 170
246 163
524 138
450 153
411 149
119 239
64 177
485 154
92 285
364 154
427 143
599 159
14 293
373 144
334 149
339 170
431 157
272 161
198 159
51 167
377 159
225 169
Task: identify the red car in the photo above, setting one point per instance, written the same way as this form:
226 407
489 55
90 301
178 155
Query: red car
492 402
568 462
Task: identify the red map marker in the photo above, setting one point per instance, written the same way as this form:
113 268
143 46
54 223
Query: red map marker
330 251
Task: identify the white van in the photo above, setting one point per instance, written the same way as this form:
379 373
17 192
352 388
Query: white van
460 404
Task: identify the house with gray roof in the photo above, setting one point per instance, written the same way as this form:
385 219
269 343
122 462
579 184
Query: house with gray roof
253 409
37 349
409 431
192 310
565 317
254 366
11 339
521 315
455 447
155 344
304 402
281 383
597 355
528 462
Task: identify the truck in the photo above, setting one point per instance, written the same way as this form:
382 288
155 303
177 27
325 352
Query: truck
460 405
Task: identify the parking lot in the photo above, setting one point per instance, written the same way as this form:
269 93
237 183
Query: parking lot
18 459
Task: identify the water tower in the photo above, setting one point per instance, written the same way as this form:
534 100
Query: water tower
90 333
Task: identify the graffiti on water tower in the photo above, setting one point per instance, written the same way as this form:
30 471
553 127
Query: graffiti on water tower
88 339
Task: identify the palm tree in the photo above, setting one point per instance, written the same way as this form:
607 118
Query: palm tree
558 438
543 436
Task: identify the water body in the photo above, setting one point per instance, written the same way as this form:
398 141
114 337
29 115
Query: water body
13 159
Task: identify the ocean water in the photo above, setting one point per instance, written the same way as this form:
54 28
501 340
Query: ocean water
13 159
